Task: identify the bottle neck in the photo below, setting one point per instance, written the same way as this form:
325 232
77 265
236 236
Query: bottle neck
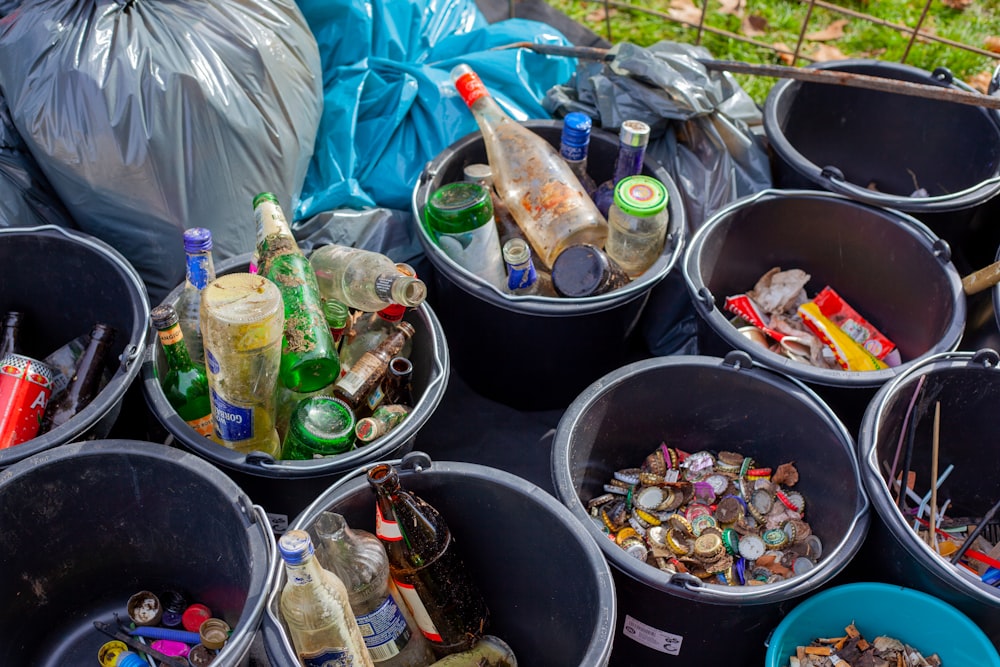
271 222
174 349
305 573
629 161
200 269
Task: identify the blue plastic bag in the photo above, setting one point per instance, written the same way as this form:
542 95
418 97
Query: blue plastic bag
389 106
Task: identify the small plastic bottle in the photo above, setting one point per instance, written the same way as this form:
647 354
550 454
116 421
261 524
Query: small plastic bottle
637 224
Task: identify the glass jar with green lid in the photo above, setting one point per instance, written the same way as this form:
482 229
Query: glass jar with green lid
460 216
637 223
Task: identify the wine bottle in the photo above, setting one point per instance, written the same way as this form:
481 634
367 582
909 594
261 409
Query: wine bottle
185 384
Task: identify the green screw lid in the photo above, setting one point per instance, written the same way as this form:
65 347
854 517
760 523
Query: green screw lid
641 196
459 207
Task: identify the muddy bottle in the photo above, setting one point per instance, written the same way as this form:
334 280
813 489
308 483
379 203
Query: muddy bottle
309 358
426 565
185 384
86 381
359 559
10 339
384 419
199 272
356 388
315 607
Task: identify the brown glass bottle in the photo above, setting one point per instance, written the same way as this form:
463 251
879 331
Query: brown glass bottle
585 270
86 381
10 342
426 566
356 387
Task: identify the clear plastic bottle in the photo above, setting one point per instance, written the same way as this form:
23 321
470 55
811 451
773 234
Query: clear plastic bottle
315 608
633 138
543 194
359 559
364 280
200 272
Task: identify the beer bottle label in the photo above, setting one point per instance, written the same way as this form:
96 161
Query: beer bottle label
203 425
419 611
384 630
233 422
328 657
386 528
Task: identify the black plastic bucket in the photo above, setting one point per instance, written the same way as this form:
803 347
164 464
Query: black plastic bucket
536 352
844 139
285 488
967 385
65 281
695 403
87 525
549 589
889 266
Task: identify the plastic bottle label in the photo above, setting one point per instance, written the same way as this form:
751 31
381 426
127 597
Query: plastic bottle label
386 529
384 630
197 270
328 657
419 611
233 422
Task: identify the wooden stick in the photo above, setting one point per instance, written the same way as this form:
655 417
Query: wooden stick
935 440
983 279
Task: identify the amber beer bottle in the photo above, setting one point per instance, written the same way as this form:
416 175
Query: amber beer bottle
426 566
86 381
10 341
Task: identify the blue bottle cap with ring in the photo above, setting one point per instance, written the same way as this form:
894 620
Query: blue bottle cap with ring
575 135
197 239
295 546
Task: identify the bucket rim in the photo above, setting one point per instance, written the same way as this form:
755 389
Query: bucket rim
986 360
109 398
831 178
416 463
687 586
254 519
543 305
264 466
707 308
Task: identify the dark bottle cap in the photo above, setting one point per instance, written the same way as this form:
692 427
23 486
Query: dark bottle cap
163 316
174 603
586 270
197 239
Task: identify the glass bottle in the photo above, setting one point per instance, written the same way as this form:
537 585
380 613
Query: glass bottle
367 372
426 565
633 138
63 362
479 173
399 381
10 339
488 650
338 316
460 217
242 320
637 224
185 384
522 276
584 270
320 426
200 272
315 608
574 144
359 559
86 381
368 330
309 358
542 192
364 280
383 419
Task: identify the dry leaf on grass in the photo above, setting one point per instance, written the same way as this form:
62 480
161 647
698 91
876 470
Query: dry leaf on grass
956 4
980 81
825 53
684 10
734 7
784 53
599 15
833 31
754 26
992 43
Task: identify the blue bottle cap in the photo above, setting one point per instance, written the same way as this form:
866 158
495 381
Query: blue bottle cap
295 546
197 239
575 135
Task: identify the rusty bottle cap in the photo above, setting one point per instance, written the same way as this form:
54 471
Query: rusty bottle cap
214 632
200 656
144 608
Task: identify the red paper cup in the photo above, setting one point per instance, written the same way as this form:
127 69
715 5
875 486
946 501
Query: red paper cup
25 387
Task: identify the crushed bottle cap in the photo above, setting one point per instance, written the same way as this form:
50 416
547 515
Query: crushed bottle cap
144 608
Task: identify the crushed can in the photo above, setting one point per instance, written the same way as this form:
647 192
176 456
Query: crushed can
25 388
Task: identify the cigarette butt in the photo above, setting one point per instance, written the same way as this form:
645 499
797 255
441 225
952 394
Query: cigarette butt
830 640
818 650
862 644
800 652
840 644
852 631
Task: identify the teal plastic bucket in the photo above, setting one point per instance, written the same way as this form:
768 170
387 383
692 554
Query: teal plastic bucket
918 619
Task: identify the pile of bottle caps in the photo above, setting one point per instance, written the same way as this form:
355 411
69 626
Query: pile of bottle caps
719 517
853 649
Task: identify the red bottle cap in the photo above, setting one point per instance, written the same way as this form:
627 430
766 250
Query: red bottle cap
194 616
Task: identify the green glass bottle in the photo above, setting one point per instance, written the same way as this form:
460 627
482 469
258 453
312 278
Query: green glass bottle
185 384
320 426
309 358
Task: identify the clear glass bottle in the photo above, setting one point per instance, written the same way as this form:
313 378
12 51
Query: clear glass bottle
367 331
309 358
522 276
574 144
319 426
637 224
364 280
488 650
315 607
383 419
242 321
200 272
460 216
356 387
86 381
10 334
583 270
185 384
633 137
426 565
359 559
480 173
542 192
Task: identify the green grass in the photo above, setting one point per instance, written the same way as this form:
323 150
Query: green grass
862 37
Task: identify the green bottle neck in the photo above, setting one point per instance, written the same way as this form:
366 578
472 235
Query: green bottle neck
174 350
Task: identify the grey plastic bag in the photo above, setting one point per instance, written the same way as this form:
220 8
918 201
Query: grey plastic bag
150 117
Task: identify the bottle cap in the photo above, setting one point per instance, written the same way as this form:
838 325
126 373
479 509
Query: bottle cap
144 608
171 647
108 654
585 270
634 133
163 316
459 207
174 603
641 196
200 656
295 546
321 425
194 616
197 239
479 173
214 632
575 135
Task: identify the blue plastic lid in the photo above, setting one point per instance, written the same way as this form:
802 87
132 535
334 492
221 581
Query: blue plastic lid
197 239
575 135
295 546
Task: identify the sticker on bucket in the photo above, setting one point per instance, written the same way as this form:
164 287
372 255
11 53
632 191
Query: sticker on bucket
647 635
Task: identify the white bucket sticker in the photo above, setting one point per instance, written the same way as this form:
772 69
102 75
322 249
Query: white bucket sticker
647 635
